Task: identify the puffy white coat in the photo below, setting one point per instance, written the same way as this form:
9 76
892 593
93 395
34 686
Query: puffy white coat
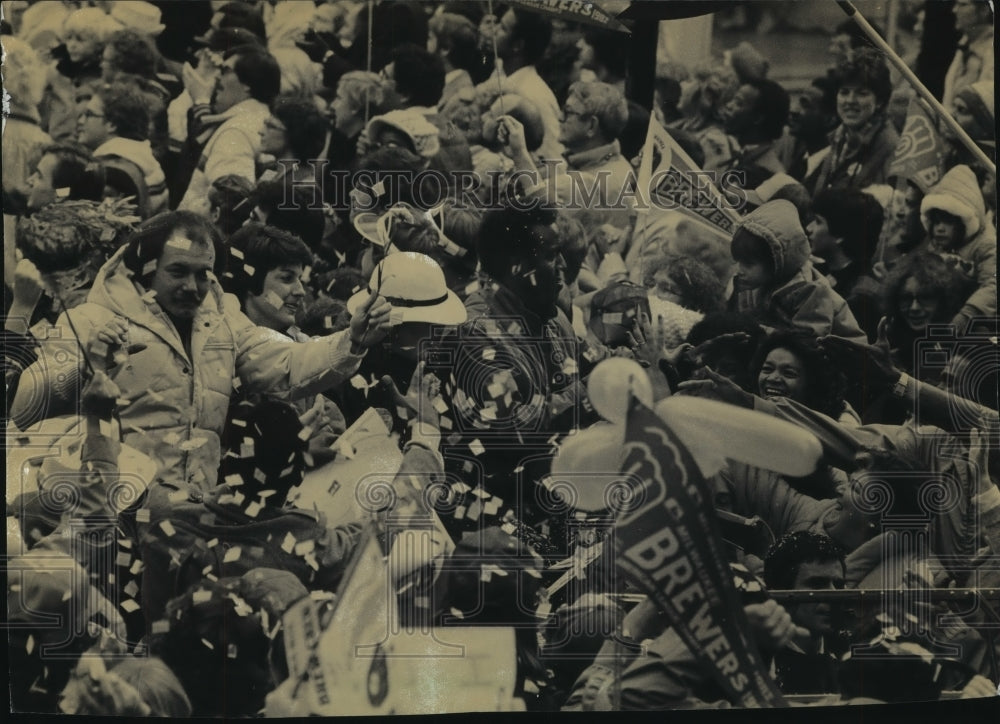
176 402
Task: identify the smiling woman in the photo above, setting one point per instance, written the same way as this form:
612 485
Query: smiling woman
790 365
265 274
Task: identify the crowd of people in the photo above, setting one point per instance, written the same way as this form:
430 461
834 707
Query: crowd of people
233 230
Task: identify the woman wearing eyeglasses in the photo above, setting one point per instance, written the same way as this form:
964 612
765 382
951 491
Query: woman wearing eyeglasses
921 291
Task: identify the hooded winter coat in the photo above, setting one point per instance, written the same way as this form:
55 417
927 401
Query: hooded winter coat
958 194
798 296
175 403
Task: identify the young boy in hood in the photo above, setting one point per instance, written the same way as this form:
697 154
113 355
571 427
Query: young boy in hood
776 283
954 215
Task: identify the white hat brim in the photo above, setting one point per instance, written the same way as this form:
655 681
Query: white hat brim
450 311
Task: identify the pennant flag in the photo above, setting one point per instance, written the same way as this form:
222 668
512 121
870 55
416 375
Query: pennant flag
669 545
575 11
919 155
669 179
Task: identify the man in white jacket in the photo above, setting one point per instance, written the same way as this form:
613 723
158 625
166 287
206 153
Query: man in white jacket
248 82
177 347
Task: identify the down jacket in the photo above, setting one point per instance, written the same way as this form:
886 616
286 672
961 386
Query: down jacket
175 403
799 297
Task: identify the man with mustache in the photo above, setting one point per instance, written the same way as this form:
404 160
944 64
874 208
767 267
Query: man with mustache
178 348
807 561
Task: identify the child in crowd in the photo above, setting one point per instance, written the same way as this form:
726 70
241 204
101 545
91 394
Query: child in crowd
775 280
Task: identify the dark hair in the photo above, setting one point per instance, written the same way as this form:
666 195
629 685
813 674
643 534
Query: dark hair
342 283
611 49
788 553
690 145
229 676
748 247
133 53
383 164
535 31
258 71
825 383
232 195
146 243
305 125
126 109
242 15
418 74
460 36
293 208
278 451
933 274
77 170
868 69
798 196
720 323
773 105
855 217
261 248
323 316
700 287
507 234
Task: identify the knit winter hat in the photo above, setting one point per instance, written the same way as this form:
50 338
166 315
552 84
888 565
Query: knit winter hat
957 193
413 124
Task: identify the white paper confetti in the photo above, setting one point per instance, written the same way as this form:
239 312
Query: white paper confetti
232 555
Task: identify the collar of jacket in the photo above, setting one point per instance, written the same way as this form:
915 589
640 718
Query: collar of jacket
239 109
114 290
594 156
860 137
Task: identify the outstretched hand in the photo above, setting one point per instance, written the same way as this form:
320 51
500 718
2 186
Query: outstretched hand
875 361
717 387
419 397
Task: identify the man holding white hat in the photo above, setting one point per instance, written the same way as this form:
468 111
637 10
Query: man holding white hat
415 286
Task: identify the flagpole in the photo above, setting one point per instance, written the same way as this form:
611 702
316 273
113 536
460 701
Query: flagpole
853 13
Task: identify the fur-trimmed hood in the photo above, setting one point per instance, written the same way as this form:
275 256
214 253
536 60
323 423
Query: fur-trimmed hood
957 193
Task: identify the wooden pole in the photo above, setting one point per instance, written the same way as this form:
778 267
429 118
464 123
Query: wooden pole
920 88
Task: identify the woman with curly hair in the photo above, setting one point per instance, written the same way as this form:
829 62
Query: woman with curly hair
923 289
681 291
862 147
791 365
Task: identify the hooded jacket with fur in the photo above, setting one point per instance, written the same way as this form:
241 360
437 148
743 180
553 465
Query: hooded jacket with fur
958 194
798 297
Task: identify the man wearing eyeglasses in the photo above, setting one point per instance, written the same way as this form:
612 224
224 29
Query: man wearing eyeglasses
115 125
593 174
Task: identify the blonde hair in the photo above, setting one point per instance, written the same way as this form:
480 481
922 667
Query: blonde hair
24 73
90 22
